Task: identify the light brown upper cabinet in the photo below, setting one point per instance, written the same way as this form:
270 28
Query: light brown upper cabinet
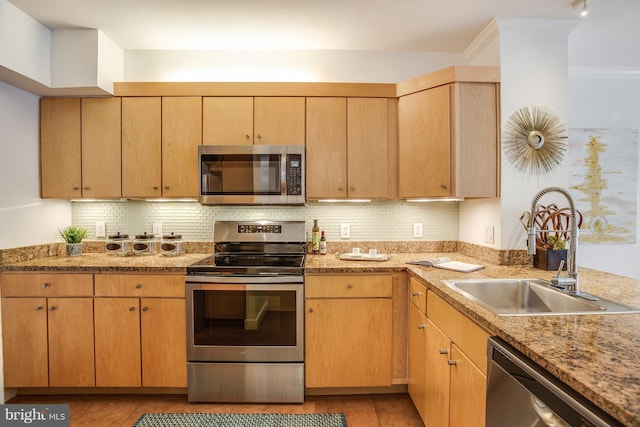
181 136
350 147
101 147
60 148
141 147
80 147
448 136
253 120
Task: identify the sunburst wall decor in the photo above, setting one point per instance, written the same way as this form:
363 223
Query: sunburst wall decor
534 140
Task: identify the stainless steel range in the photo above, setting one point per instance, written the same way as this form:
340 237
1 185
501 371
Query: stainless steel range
245 330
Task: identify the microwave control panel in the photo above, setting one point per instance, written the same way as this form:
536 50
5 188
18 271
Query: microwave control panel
294 174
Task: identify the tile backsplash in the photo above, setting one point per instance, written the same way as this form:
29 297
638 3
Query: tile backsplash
374 221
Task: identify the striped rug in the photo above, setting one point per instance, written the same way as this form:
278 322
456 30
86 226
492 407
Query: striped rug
241 420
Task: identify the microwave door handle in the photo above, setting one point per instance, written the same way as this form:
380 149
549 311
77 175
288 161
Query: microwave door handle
261 179
284 163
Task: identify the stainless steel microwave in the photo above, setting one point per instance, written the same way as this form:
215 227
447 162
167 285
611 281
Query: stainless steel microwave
252 174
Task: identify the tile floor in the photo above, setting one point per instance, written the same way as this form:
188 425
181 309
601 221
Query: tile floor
395 410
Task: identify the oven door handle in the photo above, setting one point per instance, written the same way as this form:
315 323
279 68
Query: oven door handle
262 279
244 287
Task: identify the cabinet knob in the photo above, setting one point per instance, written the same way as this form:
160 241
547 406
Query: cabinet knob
139 286
155 187
52 308
340 188
349 286
145 308
247 136
415 294
75 188
444 351
452 362
421 326
39 308
311 310
86 188
166 187
45 285
353 188
443 186
259 136
132 309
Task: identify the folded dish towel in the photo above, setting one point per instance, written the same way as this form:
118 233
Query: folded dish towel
447 264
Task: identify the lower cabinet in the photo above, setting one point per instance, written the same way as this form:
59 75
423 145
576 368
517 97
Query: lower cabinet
43 317
60 332
447 363
140 339
348 331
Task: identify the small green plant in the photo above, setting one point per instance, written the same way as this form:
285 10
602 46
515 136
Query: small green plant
73 234
556 242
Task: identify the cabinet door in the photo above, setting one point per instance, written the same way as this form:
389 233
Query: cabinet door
417 358
468 392
60 152
437 377
101 147
227 120
424 144
24 335
348 342
367 153
181 136
141 146
279 120
117 334
71 344
164 352
326 148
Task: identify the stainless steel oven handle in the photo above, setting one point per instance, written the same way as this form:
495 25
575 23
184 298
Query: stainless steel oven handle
267 278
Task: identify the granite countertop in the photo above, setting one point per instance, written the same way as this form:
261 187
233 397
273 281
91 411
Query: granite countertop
597 355
101 262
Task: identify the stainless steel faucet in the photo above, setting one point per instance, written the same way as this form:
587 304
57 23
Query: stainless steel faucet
569 282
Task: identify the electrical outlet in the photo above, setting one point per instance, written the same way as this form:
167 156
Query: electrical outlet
101 229
157 229
417 229
345 231
488 233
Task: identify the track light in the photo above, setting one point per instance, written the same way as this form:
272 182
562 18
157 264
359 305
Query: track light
584 11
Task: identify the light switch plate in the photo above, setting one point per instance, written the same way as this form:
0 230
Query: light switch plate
345 231
101 229
417 229
488 233
157 229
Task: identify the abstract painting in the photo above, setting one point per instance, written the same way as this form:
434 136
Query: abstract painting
604 182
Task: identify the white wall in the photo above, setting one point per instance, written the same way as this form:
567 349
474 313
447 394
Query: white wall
25 219
608 101
283 65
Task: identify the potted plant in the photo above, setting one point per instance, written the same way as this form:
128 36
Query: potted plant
553 225
73 236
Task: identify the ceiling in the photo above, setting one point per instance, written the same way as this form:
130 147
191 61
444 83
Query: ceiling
376 25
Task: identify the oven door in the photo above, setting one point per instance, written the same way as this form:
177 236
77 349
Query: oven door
244 322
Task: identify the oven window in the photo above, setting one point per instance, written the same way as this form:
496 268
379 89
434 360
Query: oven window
241 174
244 318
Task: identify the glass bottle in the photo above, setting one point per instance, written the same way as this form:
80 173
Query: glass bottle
323 244
315 238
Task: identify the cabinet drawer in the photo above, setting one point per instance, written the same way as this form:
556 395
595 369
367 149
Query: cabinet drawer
462 331
139 285
46 284
349 286
418 294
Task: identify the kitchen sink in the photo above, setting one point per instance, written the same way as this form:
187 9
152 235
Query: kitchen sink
532 297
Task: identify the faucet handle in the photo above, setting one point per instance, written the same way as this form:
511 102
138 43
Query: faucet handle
565 283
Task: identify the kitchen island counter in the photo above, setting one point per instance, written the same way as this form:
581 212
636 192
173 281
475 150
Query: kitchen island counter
597 355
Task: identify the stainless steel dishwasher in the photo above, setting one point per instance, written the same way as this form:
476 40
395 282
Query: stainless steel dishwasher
521 393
